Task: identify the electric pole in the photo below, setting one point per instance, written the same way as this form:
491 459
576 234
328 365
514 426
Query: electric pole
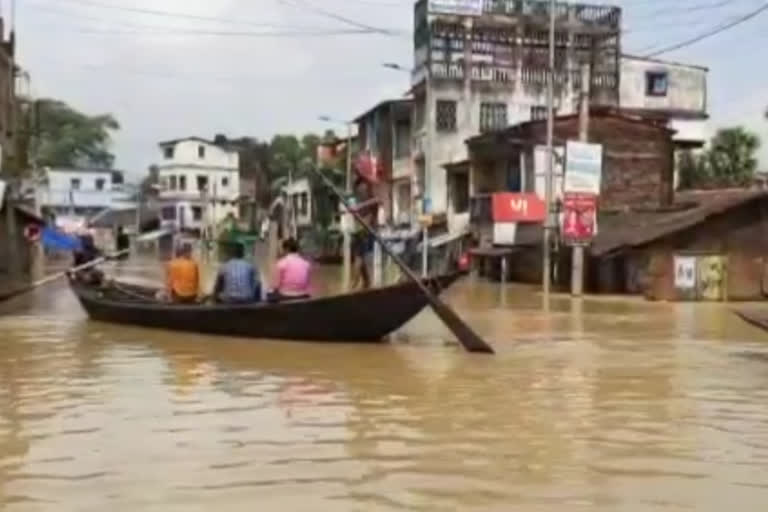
577 263
547 260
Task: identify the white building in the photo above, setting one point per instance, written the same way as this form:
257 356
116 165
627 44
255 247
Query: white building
669 91
299 196
200 183
82 192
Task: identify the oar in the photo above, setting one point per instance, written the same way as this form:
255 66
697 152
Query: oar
469 339
59 275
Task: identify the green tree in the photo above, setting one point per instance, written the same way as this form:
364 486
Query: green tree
731 159
693 171
65 137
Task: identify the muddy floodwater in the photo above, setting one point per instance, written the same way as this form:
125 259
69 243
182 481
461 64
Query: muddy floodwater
597 406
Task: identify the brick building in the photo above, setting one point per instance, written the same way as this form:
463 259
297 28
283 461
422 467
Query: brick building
721 234
638 172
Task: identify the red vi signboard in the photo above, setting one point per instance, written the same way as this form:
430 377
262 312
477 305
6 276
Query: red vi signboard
516 207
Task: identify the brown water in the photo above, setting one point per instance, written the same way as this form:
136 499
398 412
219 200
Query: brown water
606 405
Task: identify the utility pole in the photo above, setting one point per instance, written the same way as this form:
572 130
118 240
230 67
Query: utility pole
347 235
547 260
577 260
430 123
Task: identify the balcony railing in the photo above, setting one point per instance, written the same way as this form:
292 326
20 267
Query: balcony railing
605 15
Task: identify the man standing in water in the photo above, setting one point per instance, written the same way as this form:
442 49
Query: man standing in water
367 206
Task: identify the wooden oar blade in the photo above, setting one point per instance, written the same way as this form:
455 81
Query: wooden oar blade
471 341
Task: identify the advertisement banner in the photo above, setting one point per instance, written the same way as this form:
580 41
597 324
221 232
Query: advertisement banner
579 217
514 207
460 7
583 167
685 272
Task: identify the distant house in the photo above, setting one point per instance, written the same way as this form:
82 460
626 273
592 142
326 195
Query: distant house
82 192
199 182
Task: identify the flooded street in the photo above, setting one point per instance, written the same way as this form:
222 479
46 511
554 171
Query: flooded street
606 405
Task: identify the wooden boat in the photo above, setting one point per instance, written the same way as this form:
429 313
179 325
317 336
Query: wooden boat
366 316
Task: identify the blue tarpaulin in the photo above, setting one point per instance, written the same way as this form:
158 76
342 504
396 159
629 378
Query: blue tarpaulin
57 241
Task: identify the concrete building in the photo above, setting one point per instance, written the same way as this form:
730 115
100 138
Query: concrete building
385 152
200 183
480 66
637 175
77 192
667 91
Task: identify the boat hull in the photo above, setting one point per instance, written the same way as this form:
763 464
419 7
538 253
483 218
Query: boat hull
367 316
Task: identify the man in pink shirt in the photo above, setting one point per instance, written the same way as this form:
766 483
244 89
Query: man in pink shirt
292 275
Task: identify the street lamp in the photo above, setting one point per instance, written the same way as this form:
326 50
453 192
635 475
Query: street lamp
346 226
396 67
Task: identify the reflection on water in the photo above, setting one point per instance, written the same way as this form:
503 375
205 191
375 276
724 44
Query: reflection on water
598 405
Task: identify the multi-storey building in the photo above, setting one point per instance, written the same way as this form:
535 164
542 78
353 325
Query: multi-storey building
384 133
199 182
480 65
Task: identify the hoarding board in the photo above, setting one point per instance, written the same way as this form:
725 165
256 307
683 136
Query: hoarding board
460 7
579 218
583 167
516 207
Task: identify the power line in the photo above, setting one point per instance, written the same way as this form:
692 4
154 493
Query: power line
303 4
163 13
712 32
220 33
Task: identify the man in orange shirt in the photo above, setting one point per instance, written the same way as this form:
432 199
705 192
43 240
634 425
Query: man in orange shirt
183 277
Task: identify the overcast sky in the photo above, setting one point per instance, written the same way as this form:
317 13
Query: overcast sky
167 76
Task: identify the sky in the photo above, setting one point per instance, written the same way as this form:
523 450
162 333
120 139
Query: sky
261 67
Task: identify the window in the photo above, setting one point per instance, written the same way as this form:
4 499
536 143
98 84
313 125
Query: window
197 213
201 151
224 182
182 183
446 116
304 208
493 116
460 192
100 182
74 183
402 139
202 183
172 182
168 213
168 152
538 113
656 83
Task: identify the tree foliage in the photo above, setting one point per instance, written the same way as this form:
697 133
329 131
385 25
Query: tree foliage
730 161
271 165
65 137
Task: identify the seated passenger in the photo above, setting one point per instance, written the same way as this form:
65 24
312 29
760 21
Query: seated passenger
238 280
183 277
292 275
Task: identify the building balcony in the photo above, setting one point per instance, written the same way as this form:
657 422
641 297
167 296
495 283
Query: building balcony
601 15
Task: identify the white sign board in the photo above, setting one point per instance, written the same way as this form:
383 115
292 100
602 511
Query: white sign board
685 272
540 157
504 233
2 193
460 7
583 167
